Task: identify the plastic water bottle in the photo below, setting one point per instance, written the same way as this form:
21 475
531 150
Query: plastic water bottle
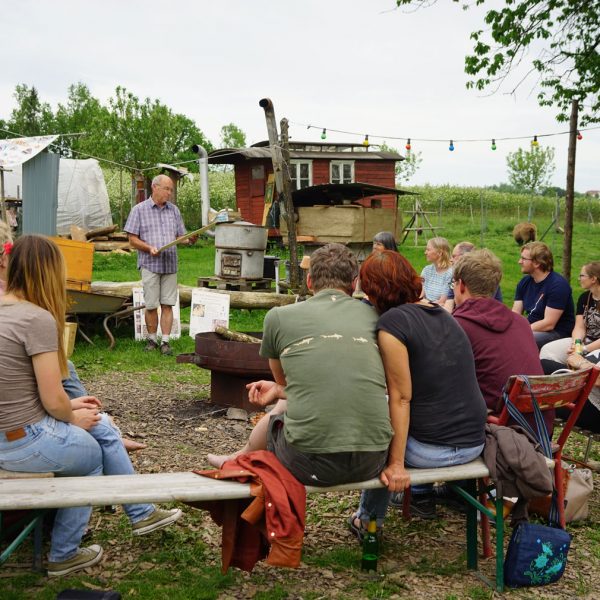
370 552
578 346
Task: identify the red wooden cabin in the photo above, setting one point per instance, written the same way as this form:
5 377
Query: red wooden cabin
312 163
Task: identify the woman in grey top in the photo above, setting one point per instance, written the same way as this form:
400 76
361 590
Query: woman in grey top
41 430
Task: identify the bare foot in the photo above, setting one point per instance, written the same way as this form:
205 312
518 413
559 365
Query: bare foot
133 446
217 460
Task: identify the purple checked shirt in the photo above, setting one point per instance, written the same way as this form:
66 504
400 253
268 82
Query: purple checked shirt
156 226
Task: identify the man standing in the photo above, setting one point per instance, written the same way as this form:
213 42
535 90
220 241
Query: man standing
544 295
152 224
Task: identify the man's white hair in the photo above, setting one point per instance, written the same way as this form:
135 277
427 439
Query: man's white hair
158 179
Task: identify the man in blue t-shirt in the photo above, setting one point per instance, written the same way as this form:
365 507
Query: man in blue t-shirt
543 295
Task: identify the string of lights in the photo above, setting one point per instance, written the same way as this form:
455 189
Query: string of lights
451 142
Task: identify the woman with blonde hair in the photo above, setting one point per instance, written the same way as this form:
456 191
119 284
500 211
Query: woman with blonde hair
437 277
42 430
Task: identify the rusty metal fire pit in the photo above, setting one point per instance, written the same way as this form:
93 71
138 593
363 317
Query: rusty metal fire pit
232 366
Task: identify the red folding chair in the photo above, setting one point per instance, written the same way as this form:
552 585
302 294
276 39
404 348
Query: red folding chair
569 391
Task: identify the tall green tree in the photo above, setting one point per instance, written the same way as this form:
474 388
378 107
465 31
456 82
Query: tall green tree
143 133
31 116
232 136
530 171
553 42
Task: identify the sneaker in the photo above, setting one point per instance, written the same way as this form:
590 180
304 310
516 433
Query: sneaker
150 346
157 520
85 557
165 349
446 496
421 505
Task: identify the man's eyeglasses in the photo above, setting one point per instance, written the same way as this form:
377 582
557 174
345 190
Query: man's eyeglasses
523 259
582 275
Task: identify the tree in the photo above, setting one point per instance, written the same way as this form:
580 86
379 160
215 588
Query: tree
81 114
530 170
232 136
31 116
565 34
404 169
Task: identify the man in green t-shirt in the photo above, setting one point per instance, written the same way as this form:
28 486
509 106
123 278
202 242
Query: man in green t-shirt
330 423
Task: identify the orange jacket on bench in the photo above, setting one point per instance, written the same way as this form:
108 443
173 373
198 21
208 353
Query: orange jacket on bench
275 516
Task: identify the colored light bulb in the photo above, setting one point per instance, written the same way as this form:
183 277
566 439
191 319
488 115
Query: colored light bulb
408 145
451 146
324 134
579 136
534 142
493 144
366 141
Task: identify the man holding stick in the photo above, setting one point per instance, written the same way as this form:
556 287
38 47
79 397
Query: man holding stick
151 225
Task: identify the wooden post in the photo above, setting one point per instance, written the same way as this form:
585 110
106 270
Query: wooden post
286 206
570 197
2 205
289 206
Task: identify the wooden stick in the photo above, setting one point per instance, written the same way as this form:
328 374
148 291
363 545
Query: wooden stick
236 336
188 235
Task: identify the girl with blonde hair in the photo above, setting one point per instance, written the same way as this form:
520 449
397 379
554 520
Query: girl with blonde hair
437 277
41 429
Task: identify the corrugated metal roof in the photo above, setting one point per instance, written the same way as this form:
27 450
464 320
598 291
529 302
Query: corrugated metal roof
336 193
302 150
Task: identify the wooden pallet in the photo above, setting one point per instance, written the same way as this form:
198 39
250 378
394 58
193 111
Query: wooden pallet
236 284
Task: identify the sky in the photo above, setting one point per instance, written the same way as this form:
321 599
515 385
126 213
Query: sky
358 66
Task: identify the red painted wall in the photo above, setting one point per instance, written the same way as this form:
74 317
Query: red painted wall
250 193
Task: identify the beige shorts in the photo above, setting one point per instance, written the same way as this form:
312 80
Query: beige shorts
159 289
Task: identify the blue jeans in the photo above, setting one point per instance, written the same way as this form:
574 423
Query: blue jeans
51 445
114 456
419 456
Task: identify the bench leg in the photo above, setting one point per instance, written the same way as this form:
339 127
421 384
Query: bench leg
470 495
34 524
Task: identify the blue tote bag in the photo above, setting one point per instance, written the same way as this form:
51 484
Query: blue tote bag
536 554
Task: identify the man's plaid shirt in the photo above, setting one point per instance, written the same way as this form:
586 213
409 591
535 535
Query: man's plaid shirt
156 226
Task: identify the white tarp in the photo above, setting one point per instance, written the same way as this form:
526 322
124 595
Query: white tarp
16 151
82 195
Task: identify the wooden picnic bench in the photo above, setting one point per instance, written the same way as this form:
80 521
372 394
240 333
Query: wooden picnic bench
40 494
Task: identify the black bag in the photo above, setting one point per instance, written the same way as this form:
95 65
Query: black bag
88 595
536 554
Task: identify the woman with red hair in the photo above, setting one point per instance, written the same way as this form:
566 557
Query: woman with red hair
437 411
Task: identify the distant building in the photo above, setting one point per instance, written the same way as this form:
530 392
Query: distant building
312 164
593 193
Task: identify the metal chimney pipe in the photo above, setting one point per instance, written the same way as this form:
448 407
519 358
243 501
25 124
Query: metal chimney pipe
204 197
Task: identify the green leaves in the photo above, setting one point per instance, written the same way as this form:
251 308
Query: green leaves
530 170
555 42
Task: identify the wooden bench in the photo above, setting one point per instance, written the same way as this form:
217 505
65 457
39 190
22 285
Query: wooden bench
62 492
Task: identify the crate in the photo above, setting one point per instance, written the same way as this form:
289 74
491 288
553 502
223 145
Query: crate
79 259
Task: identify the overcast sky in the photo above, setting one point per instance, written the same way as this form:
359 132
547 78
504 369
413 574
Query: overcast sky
358 66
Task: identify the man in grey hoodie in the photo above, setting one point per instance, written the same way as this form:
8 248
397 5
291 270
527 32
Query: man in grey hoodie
502 341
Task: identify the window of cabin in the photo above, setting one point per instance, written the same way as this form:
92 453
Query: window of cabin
301 173
341 171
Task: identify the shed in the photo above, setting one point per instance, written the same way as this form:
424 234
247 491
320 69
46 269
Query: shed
312 164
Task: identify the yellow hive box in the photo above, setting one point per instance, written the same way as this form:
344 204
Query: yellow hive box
79 257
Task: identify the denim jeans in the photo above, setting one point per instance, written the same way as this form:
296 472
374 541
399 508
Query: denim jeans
419 456
114 456
51 445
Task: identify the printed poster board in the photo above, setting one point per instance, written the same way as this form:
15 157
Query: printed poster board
208 310
139 317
